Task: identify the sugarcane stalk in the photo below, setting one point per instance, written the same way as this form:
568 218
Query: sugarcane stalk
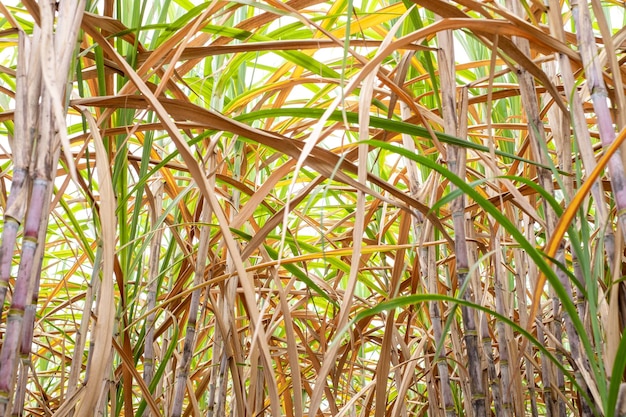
523 271
546 366
582 135
538 140
27 339
36 217
8 354
583 139
9 234
494 382
434 400
503 346
425 255
38 204
81 333
215 369
549 398
225 353
556 121
26 109
557 332
429 269
223 384
500 387
153 272
29 321
194 307
599 95
448 92
225 346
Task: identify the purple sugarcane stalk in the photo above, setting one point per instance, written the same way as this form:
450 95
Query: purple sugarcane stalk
33 105
21 149
27 91
8 354
30 312
599 95
11 226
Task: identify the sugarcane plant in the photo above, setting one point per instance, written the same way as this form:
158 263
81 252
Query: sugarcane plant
308 208
40 132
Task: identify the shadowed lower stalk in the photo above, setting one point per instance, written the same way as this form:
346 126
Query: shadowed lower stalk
556 329
494 382
456 165
469 321
182 372
547 379
223 383
232 354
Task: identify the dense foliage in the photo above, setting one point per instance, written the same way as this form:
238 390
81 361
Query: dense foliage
308 208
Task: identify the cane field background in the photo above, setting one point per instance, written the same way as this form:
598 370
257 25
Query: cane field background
312 208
